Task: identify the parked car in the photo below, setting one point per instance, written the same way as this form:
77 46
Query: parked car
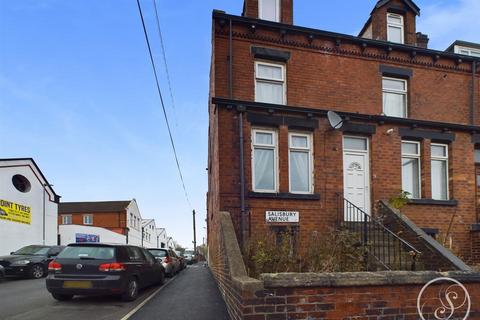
181 260
189 256
169 260
2 273
30 261
103 269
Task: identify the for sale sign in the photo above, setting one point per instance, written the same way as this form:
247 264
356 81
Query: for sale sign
282 216
15 212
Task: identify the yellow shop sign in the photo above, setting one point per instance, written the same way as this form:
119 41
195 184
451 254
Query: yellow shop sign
15 212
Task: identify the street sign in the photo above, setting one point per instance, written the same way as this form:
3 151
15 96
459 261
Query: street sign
282 216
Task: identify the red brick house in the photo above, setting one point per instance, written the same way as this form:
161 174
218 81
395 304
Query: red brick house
410 122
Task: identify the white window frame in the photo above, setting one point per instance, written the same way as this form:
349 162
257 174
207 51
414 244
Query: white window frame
403 92
401 26
446 160
273 147
472 52
278 7
88 223
283 81
309 150
64 219
417 156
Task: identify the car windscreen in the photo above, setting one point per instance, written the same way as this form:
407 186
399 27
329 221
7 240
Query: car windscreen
159 253
33 250
87 253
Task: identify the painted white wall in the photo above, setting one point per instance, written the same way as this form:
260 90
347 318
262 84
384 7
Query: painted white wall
161 238
134 224
15 235
149 233
68 234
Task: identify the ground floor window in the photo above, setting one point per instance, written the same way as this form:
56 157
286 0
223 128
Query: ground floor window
439 174
411 168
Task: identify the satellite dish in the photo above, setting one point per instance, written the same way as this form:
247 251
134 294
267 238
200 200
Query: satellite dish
336 122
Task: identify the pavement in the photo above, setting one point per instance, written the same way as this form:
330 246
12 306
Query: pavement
192 294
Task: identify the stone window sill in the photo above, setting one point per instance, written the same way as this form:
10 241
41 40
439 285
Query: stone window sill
433 202
284 196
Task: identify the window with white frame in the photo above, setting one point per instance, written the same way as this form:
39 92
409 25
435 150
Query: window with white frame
265 164
411 182
468 51
439 159
88 219
269 10
395 28
269 83
67 219
395 97
300 163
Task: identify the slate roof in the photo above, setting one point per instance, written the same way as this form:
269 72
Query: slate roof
90 207
409 3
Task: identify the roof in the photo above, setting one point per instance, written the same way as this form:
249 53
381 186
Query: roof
463 44
101 206
409 3
147 221
48 185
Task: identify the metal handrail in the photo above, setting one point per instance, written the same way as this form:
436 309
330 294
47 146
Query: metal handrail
364 227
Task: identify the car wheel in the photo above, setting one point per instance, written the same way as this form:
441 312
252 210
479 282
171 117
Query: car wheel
37 271
132 290
62 297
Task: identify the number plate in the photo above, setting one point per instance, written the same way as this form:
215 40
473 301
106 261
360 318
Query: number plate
77 284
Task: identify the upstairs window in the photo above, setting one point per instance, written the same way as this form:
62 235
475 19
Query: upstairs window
67 219
439 158
411 168
469 52
395 28
265 162
269 10
395 97
300 163
269 83
88 219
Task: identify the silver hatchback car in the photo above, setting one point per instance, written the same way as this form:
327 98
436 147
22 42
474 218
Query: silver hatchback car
169 260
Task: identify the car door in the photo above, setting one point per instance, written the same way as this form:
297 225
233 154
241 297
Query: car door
151 268
137 264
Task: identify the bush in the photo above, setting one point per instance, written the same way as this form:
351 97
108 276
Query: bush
333 251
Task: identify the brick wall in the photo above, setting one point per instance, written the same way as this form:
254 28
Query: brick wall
321 74
114 221
286 8
475 247
362 295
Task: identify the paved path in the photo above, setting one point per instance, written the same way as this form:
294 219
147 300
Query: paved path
193 295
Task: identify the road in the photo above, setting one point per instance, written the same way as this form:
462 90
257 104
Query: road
192 290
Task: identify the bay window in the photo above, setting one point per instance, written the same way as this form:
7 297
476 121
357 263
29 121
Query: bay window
269 83
394 97
439 164
300 163
411 169
264 158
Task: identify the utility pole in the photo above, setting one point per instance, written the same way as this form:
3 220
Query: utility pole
194 235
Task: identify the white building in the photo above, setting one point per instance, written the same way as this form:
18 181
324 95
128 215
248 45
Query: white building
28 206
161 238
149 233
73 233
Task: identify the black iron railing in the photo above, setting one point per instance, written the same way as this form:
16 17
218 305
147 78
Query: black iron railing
382 245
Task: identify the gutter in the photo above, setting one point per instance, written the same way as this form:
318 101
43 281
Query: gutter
320 112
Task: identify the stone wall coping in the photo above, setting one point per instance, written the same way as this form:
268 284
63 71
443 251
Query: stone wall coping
361 279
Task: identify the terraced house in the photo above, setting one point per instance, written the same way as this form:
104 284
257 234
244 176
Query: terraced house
405 120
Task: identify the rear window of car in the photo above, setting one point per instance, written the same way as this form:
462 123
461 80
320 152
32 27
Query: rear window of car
90 252
159 253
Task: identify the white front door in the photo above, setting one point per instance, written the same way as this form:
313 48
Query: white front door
356 176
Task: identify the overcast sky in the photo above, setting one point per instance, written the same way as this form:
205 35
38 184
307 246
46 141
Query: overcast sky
78 95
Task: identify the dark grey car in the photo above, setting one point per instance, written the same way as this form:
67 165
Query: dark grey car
103 269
